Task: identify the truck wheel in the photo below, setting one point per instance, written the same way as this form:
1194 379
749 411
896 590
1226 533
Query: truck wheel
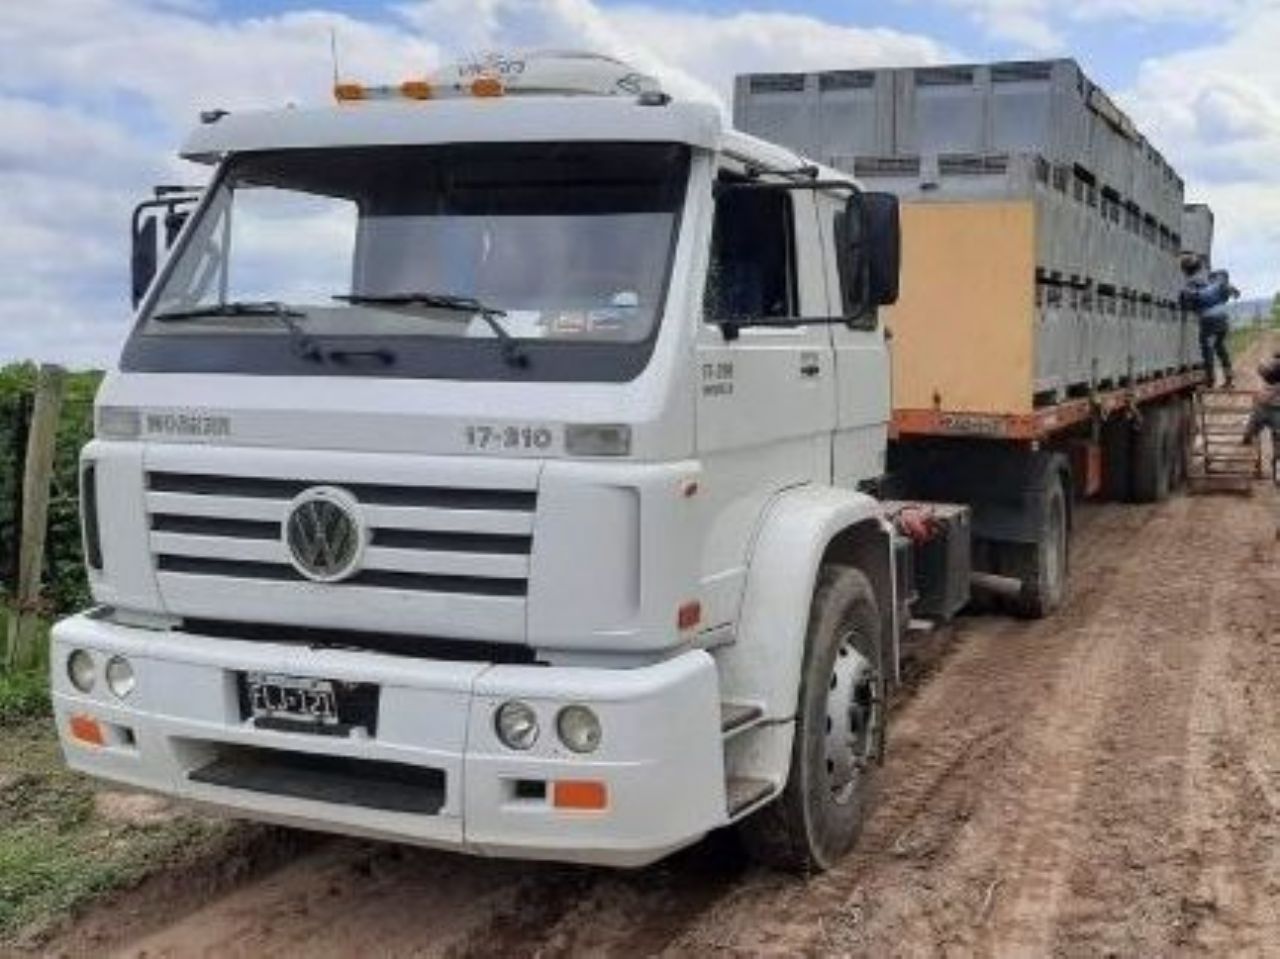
1152 451
1042 566
839 733
1117 452
1183 426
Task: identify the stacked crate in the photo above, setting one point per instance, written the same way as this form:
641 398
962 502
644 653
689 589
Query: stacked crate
1107 209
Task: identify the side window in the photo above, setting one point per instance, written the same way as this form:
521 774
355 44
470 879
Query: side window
752 267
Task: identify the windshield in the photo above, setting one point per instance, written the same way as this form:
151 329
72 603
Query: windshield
550 260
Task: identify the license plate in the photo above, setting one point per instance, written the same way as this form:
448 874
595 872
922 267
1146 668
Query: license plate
297 699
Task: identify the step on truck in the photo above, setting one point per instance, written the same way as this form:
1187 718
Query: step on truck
1040 353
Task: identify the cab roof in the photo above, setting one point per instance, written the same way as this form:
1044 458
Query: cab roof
498 120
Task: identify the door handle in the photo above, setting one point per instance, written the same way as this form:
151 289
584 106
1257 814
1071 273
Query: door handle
810 369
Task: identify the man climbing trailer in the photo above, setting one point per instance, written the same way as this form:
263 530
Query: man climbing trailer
1206 294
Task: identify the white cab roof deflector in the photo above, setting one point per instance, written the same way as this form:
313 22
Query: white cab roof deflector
469 120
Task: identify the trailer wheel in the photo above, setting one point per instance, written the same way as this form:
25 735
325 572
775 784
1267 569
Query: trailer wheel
1183 426
1042 566
839 733
1117 453
1153 452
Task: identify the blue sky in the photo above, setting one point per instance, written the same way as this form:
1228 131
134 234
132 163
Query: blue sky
96 94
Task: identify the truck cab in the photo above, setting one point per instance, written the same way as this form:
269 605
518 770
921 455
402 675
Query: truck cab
485 469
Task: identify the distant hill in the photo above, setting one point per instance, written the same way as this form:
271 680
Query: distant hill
1246 312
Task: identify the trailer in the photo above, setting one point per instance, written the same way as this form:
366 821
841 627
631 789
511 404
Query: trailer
1040 354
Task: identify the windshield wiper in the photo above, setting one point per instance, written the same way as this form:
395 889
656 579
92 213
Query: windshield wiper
512 352
303 343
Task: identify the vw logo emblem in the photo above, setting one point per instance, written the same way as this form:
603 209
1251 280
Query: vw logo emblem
324 535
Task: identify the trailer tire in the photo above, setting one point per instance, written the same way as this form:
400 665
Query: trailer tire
1117 454
1183 422
1042 566
839 734
1153 450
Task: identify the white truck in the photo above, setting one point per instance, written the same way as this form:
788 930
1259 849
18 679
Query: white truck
485 470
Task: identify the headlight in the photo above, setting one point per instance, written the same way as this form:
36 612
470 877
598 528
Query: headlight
517 725
120 678
80 670
579 729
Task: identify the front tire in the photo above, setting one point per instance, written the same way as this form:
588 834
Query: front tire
839 733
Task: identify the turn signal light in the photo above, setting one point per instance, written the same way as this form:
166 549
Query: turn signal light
579 794
689 615
87 730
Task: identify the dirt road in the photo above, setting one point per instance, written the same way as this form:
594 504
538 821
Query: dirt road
1107 782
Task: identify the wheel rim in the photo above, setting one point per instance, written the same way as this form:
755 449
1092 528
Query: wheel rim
853 719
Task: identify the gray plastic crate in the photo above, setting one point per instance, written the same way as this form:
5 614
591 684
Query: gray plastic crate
1197 229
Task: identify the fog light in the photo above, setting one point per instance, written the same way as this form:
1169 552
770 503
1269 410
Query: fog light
120 678
579 729
517 725
80 670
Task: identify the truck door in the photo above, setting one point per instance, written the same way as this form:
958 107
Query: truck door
862 369
765 400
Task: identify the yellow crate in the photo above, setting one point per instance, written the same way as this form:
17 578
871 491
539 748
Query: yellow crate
964 326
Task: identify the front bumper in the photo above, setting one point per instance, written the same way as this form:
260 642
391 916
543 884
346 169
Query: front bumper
660 759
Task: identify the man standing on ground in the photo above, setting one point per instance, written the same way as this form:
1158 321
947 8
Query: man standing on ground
1206 294
1266 404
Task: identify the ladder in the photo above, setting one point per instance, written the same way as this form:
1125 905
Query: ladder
1219 461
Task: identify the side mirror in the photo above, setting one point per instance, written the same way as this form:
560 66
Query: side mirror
869 238
146 255
884 247
171 208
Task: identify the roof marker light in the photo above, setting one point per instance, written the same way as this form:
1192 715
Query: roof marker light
416 90
347 92
487 87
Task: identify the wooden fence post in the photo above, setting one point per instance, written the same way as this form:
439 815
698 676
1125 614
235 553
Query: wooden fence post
21 648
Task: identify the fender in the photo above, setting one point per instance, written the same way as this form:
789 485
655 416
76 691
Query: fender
800 529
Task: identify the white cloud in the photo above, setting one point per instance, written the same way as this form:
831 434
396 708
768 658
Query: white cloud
1043 26
1216 112
695 54
96 94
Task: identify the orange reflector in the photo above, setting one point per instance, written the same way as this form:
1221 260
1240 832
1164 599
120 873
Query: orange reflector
345 92
689 615
88 730
486 87
416 89
579 794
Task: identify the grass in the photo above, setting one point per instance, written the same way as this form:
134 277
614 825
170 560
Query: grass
1240 339
58 850
61 846
22 696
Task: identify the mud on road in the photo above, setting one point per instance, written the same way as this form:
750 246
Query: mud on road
1107 782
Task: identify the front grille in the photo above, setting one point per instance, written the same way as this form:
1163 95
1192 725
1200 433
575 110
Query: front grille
449 540
433 647
375 494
